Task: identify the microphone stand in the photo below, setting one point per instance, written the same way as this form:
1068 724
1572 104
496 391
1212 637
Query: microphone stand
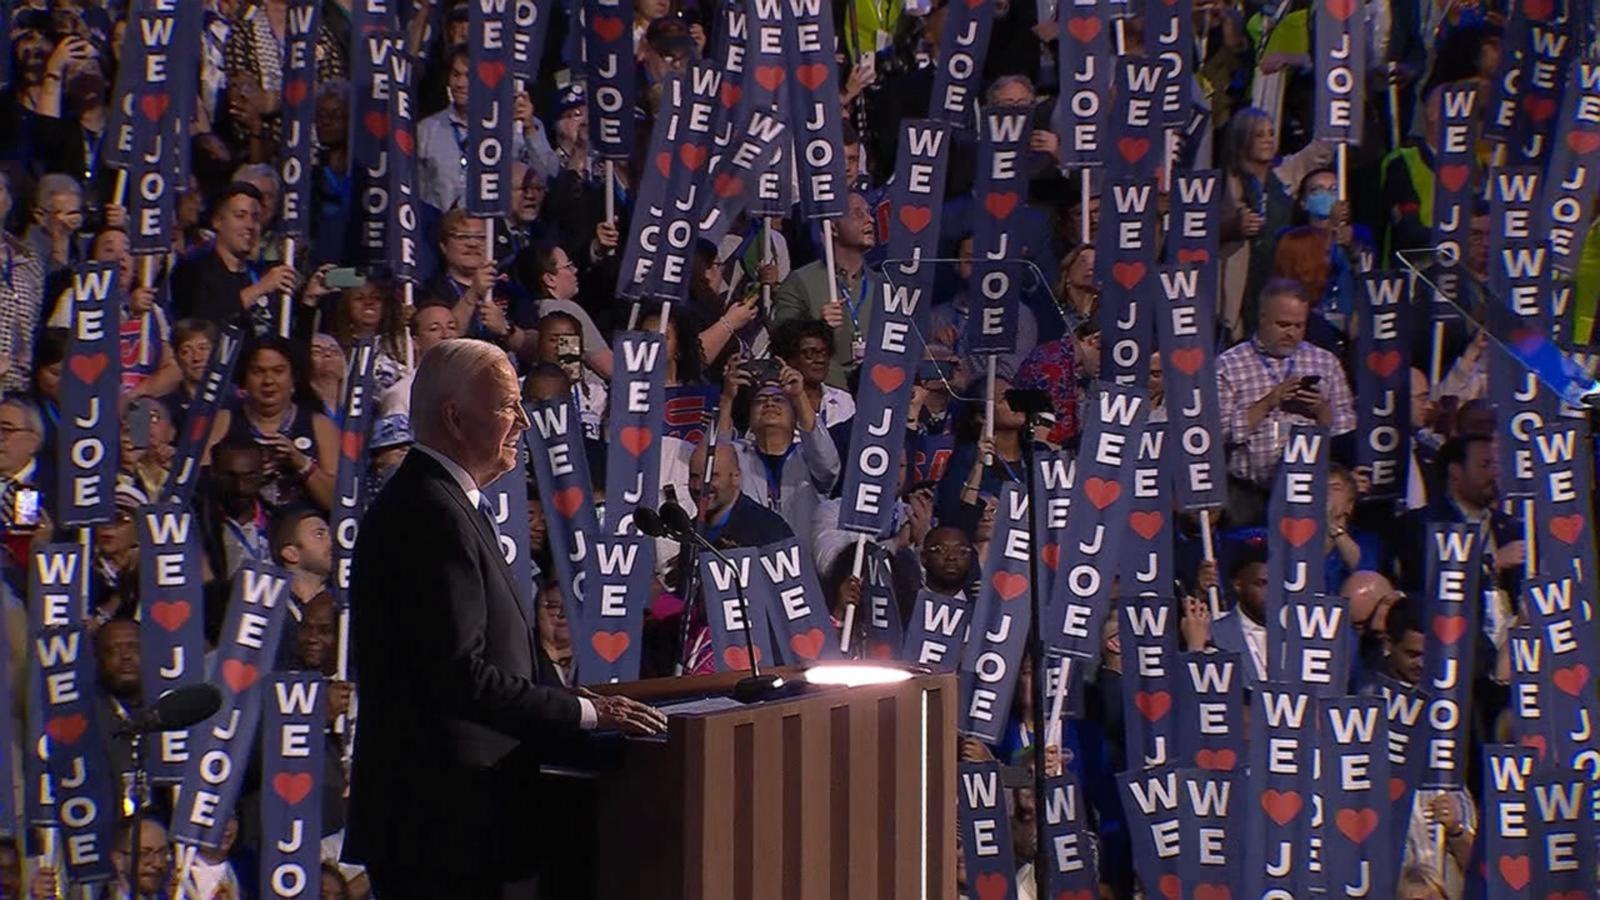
689 554
136 838
1036 646
757 685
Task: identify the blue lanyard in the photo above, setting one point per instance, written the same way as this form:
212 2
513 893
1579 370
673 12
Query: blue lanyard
853 306
1266 366
91 154
254 547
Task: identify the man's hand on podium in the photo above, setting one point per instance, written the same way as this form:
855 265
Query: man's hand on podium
624 715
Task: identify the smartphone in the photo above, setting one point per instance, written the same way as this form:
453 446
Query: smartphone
1310 382
137 422
344 278
763 371
924 485
569 347
25 509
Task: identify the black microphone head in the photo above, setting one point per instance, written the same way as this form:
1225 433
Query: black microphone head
675 518
646 520
189 705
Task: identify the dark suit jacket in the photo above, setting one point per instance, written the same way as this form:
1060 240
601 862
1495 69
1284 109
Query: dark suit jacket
445 768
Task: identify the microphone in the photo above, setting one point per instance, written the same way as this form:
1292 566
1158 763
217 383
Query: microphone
676 522
648 523
175 710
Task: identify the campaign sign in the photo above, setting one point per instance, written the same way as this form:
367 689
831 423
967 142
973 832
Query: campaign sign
984 823
741 173
1501 121
1383 384
530 21
1455 184
561 470
1519 281
1277 834
730 50
1124 255
765 92
1528 726
1568 203
1358 860
172 641
963 47
610 644
1451 601
215 389
55 600
1169 39
1523 405
1317 643
351 476
609 61
1210 698
117 150
1052 495
489 115
1211 851
80 775
507 498
1563 844
1403 707
1086 62
1510 821
1101 500
937 634
1563 467
1546 55
878 431
89 444
1000 622
916 194
999 190
639 254
720 584
403 233
1145 565
1152 801
292 756
1070 841
1571 657
1297 517
1341 64
882 631
378 63
152 151
638 402
1192 238
9 738
1185 334
1137 141
1149 636
813 109
787 576
223 744
302 25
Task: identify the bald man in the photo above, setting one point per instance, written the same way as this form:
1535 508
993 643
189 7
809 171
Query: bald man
445 785
731 516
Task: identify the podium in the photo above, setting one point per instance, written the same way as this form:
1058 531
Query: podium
833 793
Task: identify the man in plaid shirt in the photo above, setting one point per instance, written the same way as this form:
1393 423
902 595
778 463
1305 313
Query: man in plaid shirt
1274 380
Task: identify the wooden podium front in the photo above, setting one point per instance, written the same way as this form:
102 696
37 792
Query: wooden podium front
834 794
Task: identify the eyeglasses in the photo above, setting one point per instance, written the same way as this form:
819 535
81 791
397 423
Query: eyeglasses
467 237
6 431
949 551
568 266
813 353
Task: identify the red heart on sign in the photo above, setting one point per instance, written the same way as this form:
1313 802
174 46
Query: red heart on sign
1357 824
1383 364
915 218
1170 887
1212 892
726 185
693 156
1536 743
154 106
1187 360
1340 9
239 675
1051 555
403 142
1132 149
880 650
1297 531
1583 142
735 658
807 644
812 75
89 367
635 439
1516 871
350 445
170 614
1101 493
1281 806
66 730
1083 28
607 28
201 426
294 92
292 787
769 77
1153 705
1198 255
1127 274
1009 585
992 886
376 122
730 94
664 163
1449 628
1539 108
610 645
1216 760
1146 523
567 501
1397 788
1567 529
1572 679
887 378
490 71
999 205
1452 177
1538 10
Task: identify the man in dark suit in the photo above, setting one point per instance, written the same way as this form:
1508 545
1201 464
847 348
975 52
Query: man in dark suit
444 791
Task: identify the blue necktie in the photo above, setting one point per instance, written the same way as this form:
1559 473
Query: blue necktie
485 507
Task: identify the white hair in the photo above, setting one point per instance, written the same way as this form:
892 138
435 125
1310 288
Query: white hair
447 372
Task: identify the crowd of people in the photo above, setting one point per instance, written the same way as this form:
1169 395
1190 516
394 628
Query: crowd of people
766 349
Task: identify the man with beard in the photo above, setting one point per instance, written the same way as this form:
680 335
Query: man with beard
233 521
847 307
118 695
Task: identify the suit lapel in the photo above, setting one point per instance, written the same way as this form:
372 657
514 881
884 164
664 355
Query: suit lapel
480 522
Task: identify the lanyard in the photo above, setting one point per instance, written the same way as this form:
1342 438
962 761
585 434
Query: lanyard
91 153
256 547
1266 366
853 306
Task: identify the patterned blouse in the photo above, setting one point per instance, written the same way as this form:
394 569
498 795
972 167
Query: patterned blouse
255 53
